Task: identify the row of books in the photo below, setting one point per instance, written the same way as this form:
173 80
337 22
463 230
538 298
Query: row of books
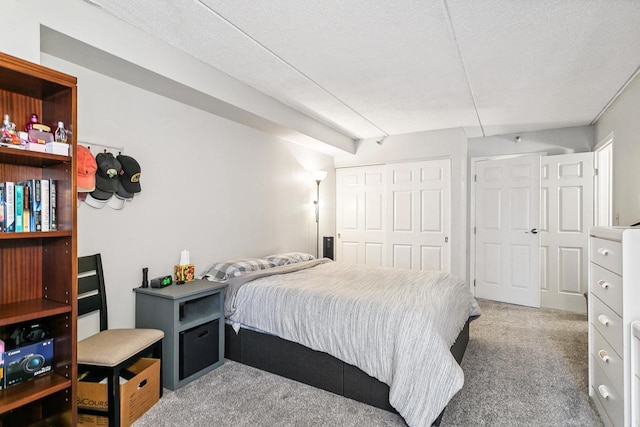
28 205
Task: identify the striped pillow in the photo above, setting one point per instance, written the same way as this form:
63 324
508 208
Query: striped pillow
289 258
223 271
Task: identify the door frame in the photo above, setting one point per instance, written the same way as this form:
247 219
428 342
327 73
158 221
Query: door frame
604 143
472 208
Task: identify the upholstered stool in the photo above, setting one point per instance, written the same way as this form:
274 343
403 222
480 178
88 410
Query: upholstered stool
111 347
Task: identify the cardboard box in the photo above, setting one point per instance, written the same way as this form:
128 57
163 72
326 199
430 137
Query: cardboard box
23 363
85 420
137 394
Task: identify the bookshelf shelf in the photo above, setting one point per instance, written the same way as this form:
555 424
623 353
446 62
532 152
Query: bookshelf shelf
38 270
26 311
30 391
31 158
35 235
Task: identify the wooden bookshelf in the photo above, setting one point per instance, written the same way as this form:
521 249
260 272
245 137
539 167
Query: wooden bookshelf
38 270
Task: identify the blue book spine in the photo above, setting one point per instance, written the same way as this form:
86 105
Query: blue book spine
19 205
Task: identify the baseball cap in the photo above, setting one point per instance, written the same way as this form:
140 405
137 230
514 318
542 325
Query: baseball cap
94 200
106 180
119 199
129 174
87 167
107 173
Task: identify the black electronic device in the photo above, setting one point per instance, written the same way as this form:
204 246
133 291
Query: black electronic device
145 277
28 334
161 282
327 247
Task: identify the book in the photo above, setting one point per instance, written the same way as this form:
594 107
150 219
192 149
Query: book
26 205
36 205
19 206
45 199
53 217
9 207
1 207
1 364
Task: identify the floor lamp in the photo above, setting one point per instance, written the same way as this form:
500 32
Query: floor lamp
318 176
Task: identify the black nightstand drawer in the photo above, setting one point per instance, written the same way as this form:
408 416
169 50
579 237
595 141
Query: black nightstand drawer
198 348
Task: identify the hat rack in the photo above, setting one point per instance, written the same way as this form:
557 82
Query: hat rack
96 148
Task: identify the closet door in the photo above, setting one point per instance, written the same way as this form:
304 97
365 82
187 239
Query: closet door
360 215
419 215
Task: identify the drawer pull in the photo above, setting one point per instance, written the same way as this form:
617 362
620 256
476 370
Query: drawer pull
604 356
604 391
603 251
604 284
604 320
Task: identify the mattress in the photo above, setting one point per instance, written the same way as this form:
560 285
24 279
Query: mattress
395 325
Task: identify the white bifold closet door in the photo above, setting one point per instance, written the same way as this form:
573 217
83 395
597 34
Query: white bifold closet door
360 215
396 215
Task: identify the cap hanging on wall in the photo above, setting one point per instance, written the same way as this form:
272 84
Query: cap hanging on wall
86 180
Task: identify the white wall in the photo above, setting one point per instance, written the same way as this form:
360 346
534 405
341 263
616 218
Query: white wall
622 119
450 143
215 187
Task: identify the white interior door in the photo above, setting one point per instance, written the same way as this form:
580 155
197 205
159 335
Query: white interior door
566 215
419 215
360 215
507 265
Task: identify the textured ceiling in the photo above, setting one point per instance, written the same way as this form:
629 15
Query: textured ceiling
384 67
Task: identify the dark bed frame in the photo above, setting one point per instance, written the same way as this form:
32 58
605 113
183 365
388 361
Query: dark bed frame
297 362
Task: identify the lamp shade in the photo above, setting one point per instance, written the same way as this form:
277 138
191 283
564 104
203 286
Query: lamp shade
319 175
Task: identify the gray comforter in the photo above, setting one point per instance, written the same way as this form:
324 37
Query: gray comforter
396 325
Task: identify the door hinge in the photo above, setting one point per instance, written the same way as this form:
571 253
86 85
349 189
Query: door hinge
474 230
474 283
595 171
475 178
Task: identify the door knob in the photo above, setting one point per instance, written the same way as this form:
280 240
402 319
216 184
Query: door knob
533 231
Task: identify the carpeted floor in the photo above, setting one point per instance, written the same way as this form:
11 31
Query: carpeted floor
523 367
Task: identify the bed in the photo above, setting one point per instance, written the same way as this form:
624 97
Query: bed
383 336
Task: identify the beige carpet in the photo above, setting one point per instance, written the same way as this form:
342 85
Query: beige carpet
523 367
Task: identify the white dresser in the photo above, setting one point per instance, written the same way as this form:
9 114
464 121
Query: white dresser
635 353
614 303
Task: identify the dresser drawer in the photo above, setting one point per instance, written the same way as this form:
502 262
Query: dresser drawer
606 394
607 359
607 253
607 286
608 323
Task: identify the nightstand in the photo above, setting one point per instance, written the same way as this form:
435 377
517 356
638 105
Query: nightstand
192 318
